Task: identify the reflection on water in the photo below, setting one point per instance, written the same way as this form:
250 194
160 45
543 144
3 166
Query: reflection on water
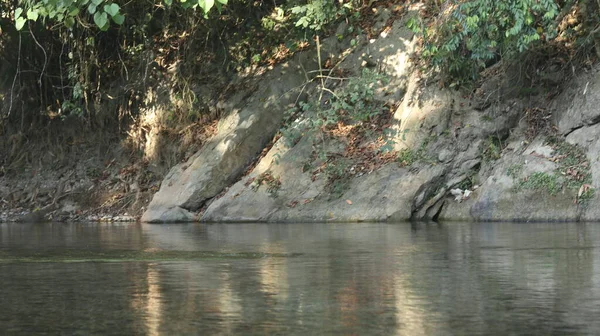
403 279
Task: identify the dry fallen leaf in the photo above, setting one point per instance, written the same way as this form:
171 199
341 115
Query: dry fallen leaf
584 188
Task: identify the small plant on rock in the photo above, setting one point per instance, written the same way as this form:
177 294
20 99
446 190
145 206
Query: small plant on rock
572 172
515 170
351 112
272 183
542 181
407 156
492 150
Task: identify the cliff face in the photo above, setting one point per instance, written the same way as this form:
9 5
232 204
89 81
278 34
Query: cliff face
489 156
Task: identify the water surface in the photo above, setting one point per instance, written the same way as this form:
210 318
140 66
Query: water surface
300 279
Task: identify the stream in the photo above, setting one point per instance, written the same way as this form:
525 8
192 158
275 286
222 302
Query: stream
300 279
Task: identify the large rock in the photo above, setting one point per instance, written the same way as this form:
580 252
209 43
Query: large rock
589 138
449 140
504 197
458 141
385 194
578 105
242 134
391 52
577 114
391 192
422 110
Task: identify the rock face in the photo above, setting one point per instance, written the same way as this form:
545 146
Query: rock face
252 123
578 105
522 181
475 158
589 138
504 196
386 194
520 185
252 120
391 193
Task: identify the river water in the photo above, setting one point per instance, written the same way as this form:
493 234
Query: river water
300 279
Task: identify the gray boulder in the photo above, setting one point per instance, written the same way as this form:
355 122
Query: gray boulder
242 134
579 104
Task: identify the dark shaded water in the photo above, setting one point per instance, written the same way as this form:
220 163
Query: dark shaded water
303 279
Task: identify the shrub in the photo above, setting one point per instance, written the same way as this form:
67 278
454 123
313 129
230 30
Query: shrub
468 35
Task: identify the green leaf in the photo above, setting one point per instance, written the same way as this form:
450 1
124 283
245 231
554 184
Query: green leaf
18 12
168 2
118 19
100 19
209 4
20 22
32 15
112 9
188 4
206 5
69 22
302 22
224 2
92 8
97 2
106 26
74 12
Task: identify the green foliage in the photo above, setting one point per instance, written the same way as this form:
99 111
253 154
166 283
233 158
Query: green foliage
357 99
205 5
103 12
470 34
493 149
542 182
515 170
272 183
572 162
469 182
352 103
66 11
572 172
92 44
316 14
337 177
355 102
408 156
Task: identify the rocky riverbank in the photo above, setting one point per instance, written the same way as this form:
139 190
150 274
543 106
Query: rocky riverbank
497 153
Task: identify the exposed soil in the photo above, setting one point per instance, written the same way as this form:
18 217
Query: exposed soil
82 181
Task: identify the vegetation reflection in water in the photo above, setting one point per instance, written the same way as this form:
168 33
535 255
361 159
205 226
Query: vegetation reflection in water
73 256
300 279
